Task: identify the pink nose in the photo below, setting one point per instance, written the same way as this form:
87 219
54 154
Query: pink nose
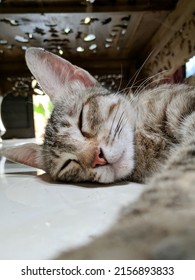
99 158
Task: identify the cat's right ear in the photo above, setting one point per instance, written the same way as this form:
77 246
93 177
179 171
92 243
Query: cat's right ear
55 74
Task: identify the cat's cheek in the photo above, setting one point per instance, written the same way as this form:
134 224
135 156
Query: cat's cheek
122 171
124 166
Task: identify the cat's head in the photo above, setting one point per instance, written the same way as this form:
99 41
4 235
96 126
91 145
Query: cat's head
89 136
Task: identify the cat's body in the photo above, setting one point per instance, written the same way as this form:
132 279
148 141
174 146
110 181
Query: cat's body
163 113
95 135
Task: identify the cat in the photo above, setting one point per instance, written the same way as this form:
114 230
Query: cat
101 136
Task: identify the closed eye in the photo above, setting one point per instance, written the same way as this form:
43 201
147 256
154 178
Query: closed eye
80 125
80 121
66 163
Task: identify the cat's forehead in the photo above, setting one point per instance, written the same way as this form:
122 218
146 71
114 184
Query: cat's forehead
104 105
102 101
92 111
95 99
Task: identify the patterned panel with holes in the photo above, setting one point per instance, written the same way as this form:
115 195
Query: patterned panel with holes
64 33
22 86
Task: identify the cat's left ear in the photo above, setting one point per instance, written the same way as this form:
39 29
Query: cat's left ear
55 74
28 154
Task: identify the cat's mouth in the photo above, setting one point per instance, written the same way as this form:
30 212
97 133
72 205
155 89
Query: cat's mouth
112 170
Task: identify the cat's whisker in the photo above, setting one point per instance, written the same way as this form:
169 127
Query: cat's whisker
126 90
113 120
118 125
155 82
144 80
139 70
142 85
136 82
120 84
122 128
119 122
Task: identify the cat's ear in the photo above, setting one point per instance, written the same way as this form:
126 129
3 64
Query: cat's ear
54 73
28 154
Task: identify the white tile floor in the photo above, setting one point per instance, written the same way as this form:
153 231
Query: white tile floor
39 218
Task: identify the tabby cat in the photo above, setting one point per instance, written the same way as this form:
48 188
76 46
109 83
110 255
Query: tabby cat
101 136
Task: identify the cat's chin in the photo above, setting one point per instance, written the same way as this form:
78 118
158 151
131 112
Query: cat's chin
104 174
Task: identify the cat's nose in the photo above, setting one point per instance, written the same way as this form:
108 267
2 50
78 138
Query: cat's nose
99 158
